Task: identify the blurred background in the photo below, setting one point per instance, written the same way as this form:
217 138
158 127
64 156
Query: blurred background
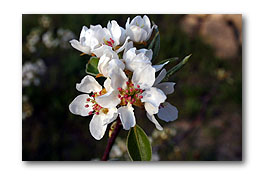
208 91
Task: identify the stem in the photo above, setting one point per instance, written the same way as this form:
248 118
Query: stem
111 140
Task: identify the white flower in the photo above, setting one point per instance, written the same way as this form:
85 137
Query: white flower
97 39
108 61
134 58
85 105
134 91
139 29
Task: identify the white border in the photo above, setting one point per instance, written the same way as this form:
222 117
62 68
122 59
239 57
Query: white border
253 63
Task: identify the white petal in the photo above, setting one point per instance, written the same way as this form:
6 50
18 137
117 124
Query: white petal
115 30
123 36
147 52
144 77
110 116
97 127
107 85
154 96
147 21
108 100
77 45
77 106
128 23
137 34
123 46
138 62
153 119
159 67
127 116
130 54
116 63
161 76
88 85
101 50
151 109
118 78
150 31
128 47
83 32
168 112
103 65
166 87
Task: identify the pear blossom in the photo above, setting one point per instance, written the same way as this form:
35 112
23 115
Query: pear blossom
139 29
85 105
95 38
137 91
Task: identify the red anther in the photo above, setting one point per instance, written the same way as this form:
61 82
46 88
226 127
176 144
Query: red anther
91 112
119 96
140 90
119 89
112 40
126 91
131 90
88 99
86 106
93 95
138 86
136 89
133 100
132 85
127 82
136 95
109 43
125 96
129 98
97 113
140 96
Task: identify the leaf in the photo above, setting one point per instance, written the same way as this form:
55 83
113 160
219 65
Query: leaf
177 67
91 66
138 145
155 43
170 60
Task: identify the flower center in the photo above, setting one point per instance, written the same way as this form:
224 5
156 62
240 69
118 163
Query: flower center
97 109
109 42
131 95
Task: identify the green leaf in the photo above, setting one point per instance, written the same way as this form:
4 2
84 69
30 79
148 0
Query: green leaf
177 67
138 145
170 60
91 66
155 43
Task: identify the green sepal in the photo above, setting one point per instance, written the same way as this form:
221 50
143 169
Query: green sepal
177 67
170 60
91 66
155 42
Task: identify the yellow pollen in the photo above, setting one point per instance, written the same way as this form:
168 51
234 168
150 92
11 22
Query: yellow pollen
105 110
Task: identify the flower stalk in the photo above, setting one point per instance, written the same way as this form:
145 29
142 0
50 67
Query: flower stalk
111 140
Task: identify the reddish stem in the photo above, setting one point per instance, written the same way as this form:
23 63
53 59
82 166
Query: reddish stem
111 140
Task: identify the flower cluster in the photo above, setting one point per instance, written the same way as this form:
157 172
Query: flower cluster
129 77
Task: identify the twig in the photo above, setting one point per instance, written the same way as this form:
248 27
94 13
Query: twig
111 140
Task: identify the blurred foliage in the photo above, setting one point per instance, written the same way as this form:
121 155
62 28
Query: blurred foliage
205 130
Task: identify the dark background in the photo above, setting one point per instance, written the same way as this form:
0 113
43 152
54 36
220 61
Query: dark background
208 91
